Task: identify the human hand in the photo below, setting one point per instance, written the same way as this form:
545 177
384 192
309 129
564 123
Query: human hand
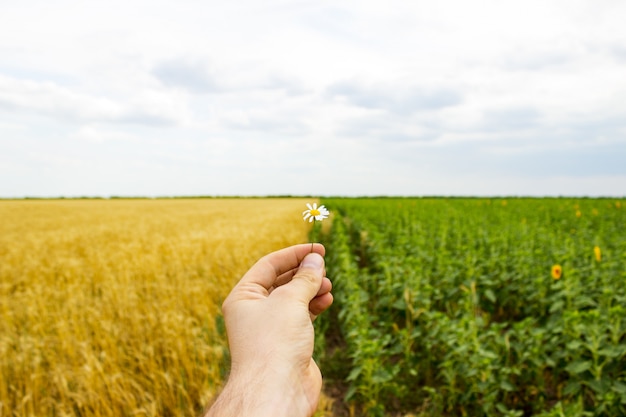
268 317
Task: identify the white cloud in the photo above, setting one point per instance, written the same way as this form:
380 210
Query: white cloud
394 98
252 98
95 134
195 77
59 102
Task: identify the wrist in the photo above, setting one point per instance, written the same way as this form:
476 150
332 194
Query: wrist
261 393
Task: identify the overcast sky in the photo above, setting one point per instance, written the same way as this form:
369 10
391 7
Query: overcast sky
452 97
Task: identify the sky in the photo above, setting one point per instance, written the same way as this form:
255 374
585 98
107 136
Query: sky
344 98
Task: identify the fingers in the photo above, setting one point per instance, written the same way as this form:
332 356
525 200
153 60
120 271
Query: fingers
286 277
320 304
307 279
326 286
322 300
307 282
279 267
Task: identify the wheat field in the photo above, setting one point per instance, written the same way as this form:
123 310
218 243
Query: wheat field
112 307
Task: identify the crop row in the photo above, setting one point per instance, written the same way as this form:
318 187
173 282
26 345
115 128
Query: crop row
477 306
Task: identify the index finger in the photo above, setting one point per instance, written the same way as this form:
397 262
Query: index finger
267 269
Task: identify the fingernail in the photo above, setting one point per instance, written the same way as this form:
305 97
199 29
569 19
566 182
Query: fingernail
313 261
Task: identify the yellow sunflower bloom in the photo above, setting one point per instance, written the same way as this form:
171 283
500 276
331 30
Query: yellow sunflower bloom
557 271
598 253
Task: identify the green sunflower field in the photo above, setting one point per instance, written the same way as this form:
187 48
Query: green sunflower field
475 307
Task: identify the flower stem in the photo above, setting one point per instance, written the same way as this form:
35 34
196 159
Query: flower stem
314 234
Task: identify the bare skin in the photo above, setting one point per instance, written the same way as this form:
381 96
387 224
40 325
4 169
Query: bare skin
269 319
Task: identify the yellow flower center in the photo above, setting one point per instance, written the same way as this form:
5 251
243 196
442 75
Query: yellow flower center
315 213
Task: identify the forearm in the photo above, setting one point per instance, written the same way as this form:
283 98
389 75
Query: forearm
256 395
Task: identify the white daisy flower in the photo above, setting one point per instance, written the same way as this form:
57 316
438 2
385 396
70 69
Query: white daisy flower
315 213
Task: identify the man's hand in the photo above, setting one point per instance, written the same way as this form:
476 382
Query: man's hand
269 318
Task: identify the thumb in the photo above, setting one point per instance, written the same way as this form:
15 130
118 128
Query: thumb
307 281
